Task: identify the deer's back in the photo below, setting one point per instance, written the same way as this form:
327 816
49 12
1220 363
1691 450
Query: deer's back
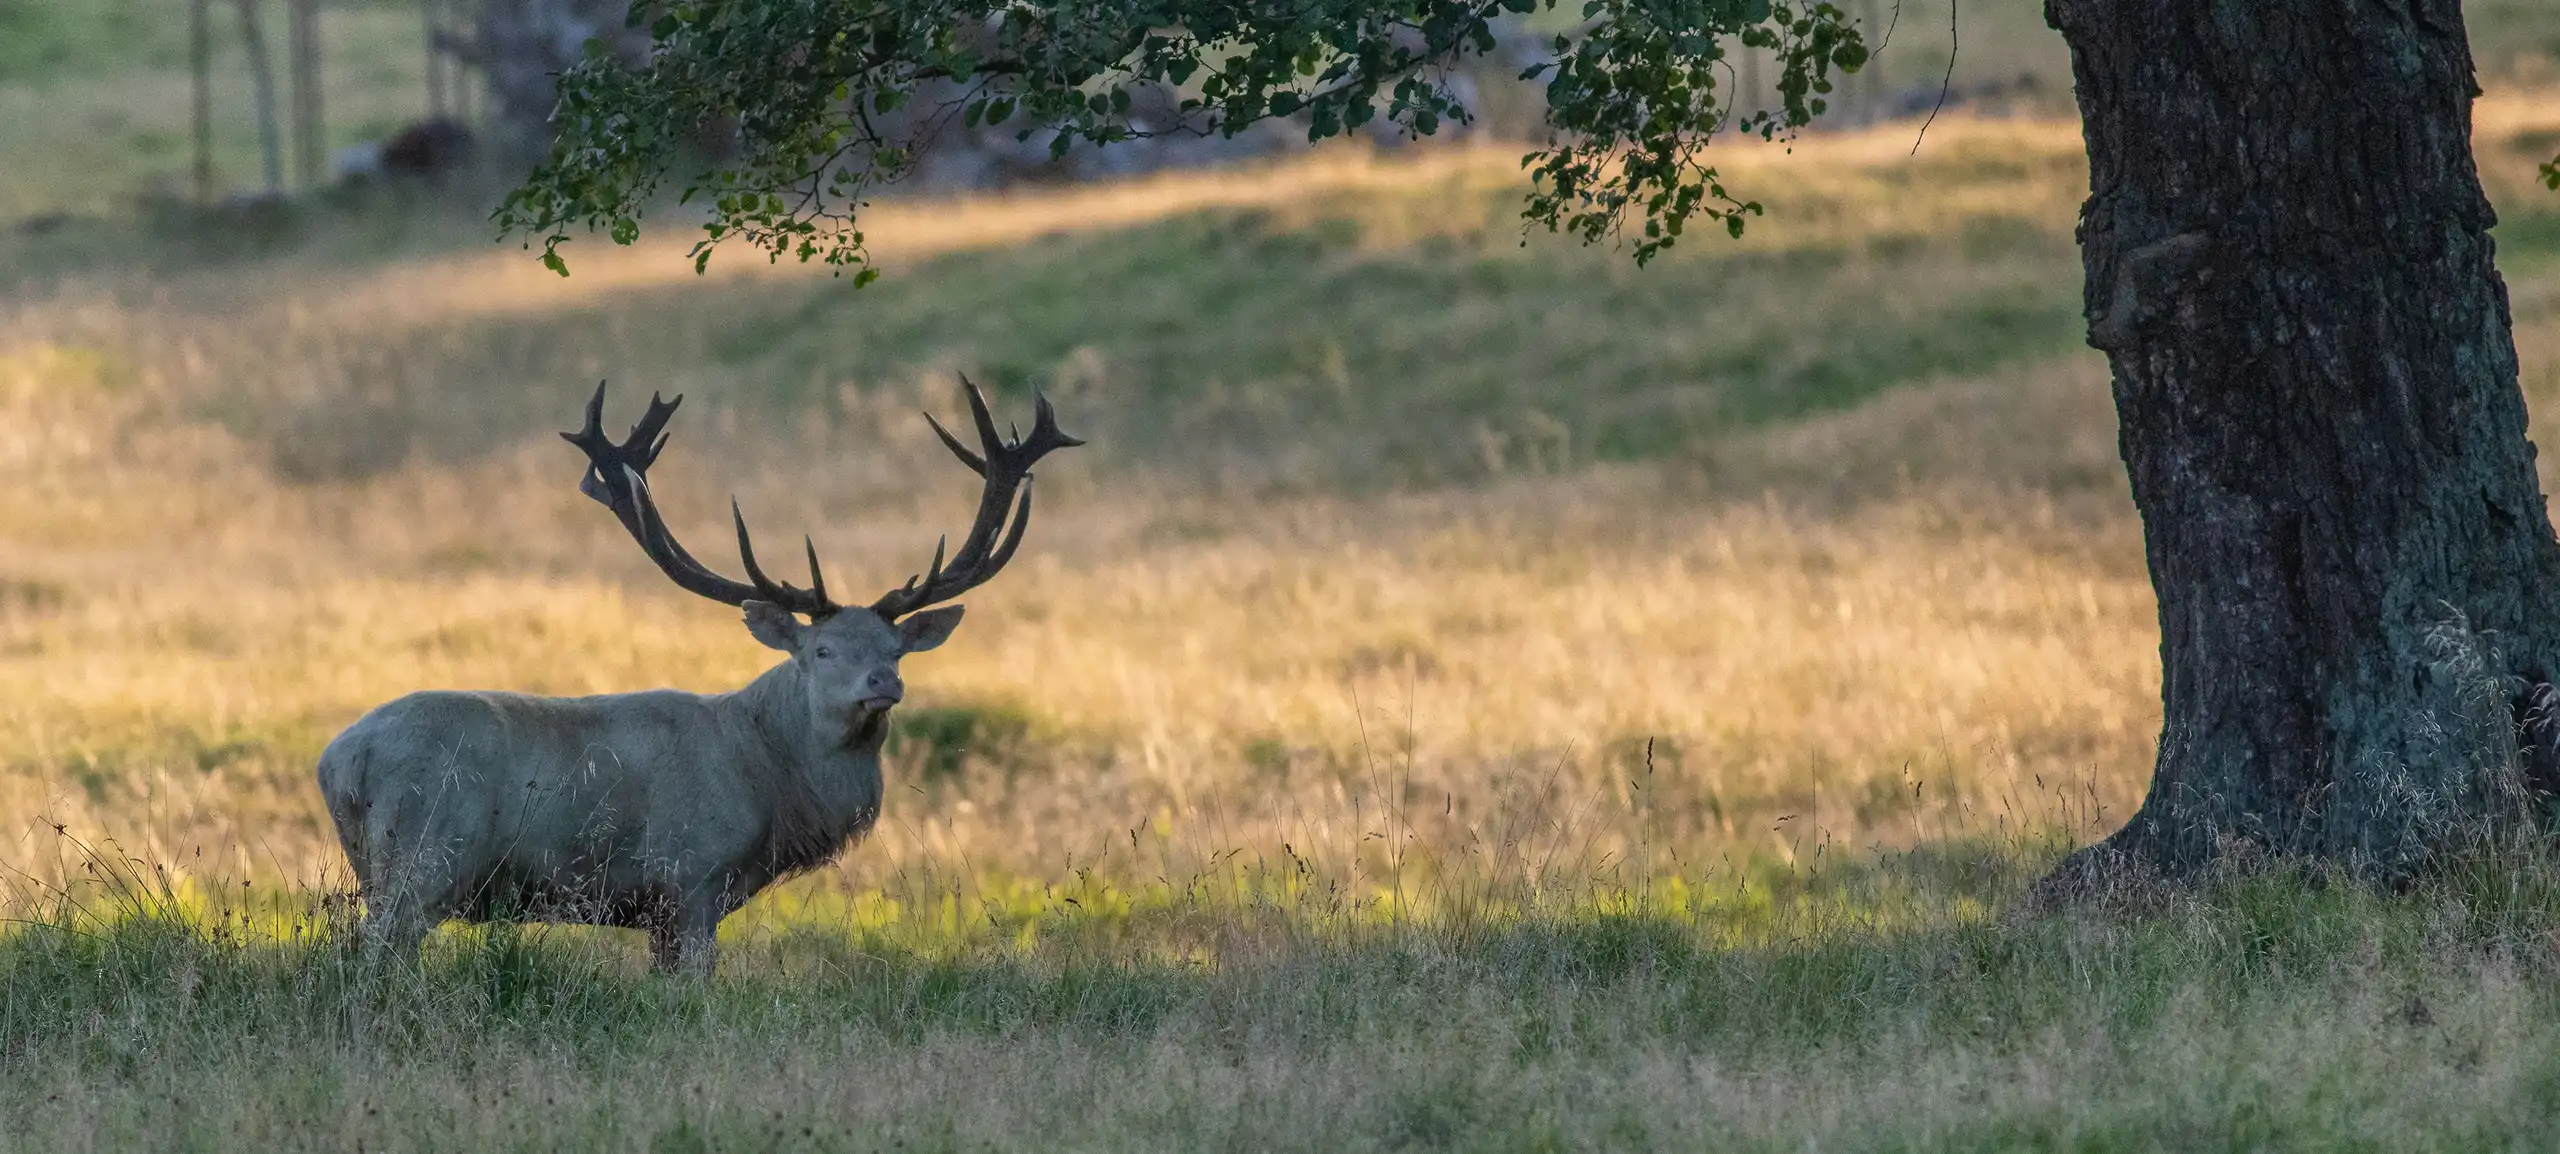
537 785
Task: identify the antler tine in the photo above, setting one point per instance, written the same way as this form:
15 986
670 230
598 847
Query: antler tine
1013 536
595 415
1044 424
781 593
997 530
747 556
986 421
617 476
976 463
931 574
659 544
643 432
646 429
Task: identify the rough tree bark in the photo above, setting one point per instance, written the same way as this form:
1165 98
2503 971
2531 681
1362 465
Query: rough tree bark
2290 269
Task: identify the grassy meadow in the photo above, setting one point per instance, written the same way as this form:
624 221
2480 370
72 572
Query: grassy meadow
1469 695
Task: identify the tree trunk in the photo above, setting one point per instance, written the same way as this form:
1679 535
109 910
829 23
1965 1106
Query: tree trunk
200 74
262 79
1755 98
2290 270
433 12
302 33
520 47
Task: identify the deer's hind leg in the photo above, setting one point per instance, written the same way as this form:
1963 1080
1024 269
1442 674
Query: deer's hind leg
412 888
395 923
666 951
684 936
698 948
662 916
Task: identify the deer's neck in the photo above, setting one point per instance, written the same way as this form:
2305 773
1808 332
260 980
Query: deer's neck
837 770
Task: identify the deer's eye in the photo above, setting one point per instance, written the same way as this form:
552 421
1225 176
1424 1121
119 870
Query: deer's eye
822 652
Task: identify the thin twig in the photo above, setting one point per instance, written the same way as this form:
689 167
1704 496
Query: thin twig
1945 85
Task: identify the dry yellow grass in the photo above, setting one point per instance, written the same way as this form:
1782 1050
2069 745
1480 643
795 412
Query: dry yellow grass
1254 667
1924 611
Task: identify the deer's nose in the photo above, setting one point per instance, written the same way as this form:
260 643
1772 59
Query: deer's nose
883 685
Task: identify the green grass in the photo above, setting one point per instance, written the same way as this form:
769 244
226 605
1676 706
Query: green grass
45 39
1883 1007
1363 357
95 101
1394 356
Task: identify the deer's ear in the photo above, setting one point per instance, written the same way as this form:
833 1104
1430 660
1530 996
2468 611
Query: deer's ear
922 631
773 625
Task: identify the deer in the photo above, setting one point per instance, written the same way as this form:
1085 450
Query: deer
661 810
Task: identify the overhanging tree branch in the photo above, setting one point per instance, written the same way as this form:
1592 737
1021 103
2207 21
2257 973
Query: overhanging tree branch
834 98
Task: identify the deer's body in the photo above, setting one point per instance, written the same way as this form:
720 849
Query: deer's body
662 811
658 810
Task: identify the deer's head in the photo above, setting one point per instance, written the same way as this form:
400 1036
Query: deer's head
847 656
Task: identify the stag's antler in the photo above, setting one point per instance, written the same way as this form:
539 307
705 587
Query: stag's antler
1006 467
618 476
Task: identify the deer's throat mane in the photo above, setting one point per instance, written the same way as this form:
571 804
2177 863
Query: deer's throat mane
822 788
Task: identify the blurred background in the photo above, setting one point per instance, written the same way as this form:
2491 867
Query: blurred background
1813 538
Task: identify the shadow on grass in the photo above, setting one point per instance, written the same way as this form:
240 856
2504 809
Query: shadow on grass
1897 1003
1779 962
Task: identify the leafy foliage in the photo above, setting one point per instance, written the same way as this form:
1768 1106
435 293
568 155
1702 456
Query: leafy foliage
831 99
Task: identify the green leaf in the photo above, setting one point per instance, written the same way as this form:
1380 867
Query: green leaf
1634 89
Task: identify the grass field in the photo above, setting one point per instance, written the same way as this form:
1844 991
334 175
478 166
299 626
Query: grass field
1469 695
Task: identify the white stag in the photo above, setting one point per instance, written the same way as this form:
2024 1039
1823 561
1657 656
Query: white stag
662 810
